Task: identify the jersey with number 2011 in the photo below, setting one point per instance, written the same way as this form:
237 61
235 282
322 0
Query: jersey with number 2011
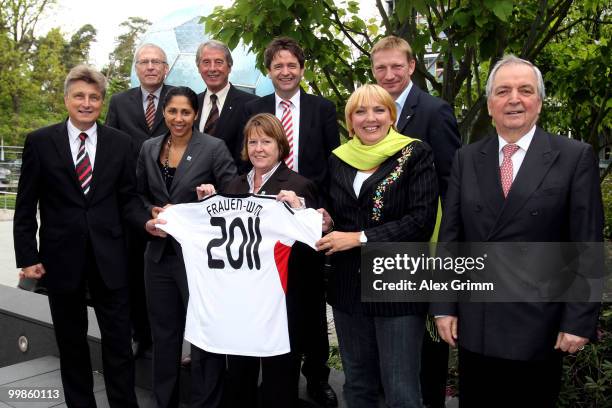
236 251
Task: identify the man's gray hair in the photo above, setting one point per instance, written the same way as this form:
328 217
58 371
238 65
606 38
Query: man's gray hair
218 45
514 60
150 45
87 74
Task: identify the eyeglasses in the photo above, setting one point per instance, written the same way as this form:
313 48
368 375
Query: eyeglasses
154 62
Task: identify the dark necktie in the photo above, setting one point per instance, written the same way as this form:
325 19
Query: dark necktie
213 116
83 165
150 112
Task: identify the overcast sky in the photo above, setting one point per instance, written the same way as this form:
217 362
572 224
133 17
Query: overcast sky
106 16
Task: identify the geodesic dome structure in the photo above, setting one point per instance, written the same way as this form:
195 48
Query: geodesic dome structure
179 34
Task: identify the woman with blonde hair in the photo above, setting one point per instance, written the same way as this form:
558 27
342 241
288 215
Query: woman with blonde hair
383 188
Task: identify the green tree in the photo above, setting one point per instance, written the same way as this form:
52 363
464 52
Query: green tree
119 67
467 36
49 72
76 51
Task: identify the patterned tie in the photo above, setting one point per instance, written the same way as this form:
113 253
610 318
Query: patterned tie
83 165
150 112
211 122
287 121
505 170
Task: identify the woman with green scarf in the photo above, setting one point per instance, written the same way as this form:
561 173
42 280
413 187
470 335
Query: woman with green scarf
383 188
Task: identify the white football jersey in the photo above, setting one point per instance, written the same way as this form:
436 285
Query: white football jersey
236 250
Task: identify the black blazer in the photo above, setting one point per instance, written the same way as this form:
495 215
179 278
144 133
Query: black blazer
555 197
126 113
318 132
206 160
408 215
305 278
68 219
229 126
431 120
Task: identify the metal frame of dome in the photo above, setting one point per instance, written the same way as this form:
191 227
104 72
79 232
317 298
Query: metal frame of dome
179 34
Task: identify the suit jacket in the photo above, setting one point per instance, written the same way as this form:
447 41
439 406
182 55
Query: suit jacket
126 113
555 197
305 278
72 224
206 160
318 132
408 209
229 126
431 120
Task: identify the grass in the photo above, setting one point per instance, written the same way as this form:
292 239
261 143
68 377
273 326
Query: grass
7 201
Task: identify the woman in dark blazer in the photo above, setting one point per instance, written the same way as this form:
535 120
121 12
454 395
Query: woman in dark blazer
383 188
169 169
266 147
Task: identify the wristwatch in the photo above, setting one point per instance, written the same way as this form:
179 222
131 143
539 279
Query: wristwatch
362 238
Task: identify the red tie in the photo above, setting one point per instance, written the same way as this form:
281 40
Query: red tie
150 112
83 165
287 121
506 169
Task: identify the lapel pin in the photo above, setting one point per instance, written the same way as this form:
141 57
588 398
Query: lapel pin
188 158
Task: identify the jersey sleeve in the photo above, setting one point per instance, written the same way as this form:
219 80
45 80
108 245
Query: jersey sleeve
302 225
180 220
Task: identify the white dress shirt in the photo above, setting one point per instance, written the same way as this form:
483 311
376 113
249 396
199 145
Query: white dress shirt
145 98
518 157
295 115
90 142
401 101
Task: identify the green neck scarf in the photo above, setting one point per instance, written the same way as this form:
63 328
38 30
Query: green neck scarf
364 157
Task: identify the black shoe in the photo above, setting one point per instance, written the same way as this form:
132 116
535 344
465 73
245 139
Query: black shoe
322 393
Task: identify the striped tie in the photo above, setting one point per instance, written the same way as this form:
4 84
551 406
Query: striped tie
150 112
213 116
83 166
287 121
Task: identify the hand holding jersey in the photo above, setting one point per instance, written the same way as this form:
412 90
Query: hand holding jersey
236 250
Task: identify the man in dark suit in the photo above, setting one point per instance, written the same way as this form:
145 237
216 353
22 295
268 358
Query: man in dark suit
522 185
80 175
312 130
221 104
138 112
420 115
430 119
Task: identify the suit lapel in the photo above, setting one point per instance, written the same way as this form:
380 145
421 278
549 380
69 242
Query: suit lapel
409 109
346 176
104 151
201 97
159 114
535 166
269 104
62 144
486 166
136 101
155 151
189 157
305 125
273 185
228 107
383 170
